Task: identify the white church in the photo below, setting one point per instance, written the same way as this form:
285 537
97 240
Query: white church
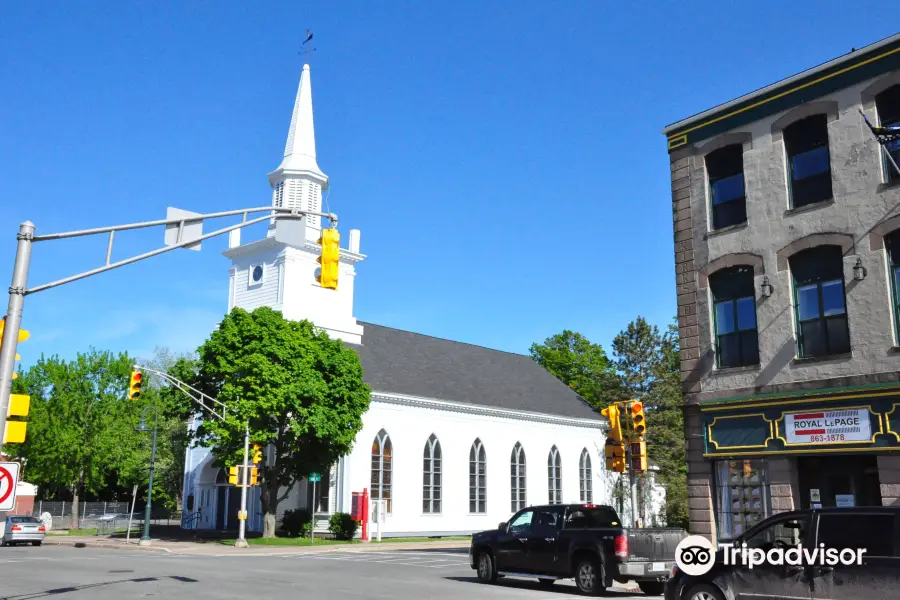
457 437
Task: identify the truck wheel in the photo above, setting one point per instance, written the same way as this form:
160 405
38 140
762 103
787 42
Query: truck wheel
703 591
652 588
545 583
589 576
486 571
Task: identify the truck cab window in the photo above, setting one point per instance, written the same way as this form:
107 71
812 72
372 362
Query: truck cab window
788 533
522 523
590 518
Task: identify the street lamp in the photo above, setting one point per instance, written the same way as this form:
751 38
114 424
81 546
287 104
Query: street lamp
143 428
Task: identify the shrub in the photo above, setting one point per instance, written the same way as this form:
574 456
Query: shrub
296 523
342 526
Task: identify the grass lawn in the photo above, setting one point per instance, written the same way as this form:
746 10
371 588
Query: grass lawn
302 541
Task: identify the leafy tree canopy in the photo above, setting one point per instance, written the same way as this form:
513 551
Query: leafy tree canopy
301 392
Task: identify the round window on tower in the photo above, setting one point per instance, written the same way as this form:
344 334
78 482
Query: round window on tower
257 273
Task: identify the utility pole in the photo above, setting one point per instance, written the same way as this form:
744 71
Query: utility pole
632 484
25 238
242 518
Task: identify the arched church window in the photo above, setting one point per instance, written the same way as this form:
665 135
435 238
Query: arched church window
431 476
382 459
477 478
585 478
518 497
554 476
220 477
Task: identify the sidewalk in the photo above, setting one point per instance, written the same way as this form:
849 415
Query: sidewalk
215 548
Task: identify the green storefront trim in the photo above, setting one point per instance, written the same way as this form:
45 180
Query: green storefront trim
756 426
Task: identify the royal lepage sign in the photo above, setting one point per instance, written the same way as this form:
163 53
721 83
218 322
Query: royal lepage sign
828 427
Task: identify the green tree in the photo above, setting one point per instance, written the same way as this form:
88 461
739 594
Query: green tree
665 398
648 368
580 364
81 435
301 392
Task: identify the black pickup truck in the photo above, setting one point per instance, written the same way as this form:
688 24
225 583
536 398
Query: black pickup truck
581 541
876 530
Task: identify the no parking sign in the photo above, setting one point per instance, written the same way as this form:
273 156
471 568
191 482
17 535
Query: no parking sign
9 476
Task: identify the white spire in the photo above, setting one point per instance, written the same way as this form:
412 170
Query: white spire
300 149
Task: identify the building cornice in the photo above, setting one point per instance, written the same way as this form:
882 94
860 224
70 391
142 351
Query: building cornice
851 68
484 411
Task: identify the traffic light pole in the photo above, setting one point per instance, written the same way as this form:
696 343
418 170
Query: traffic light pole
10 340
632 485
241 542
18 288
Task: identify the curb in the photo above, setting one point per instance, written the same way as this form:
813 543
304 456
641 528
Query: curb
105 544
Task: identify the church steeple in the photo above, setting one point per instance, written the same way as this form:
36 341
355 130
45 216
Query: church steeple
298 181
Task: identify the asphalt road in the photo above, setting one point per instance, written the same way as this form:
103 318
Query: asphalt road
80 573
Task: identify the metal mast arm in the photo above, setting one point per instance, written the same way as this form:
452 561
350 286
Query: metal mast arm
182 385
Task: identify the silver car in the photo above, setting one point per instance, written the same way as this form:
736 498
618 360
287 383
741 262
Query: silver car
22 530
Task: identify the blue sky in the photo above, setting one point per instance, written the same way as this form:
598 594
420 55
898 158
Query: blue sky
503 159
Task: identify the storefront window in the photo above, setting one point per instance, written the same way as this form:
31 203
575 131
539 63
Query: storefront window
742 498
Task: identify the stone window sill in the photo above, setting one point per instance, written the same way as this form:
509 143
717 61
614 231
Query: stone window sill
725 230
735 370
799 362
809 207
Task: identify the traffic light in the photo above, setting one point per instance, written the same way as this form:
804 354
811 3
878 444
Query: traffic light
134 385
254 476
639 456
233 475
257 454
612 413
19 405
638 422
330 259
615 457
24 334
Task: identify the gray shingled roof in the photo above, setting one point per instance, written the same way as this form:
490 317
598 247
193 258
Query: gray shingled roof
413 364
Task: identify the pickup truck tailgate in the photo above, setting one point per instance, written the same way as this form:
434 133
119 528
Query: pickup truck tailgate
654 545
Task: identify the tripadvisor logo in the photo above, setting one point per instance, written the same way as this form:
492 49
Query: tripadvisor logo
695 556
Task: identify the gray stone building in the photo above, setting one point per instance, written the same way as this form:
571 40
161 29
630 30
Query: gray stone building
787 253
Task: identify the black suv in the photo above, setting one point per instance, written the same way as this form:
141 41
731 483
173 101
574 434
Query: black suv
874 529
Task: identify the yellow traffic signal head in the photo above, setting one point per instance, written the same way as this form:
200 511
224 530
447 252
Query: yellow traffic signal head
134 385
615 457
638 422
254 476
611 412
330 260
233 475
639 456
257 454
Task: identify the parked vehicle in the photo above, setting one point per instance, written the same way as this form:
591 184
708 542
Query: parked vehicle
874 529
581 541
22 530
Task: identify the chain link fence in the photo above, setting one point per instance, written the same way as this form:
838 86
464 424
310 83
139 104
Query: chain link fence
105 517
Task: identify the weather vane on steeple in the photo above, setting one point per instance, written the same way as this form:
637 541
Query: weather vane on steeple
307 49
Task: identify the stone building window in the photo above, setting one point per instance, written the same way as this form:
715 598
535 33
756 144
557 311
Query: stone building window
725 171
742 495
734 316
820 308
809 161
887 103
892 244
518 498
